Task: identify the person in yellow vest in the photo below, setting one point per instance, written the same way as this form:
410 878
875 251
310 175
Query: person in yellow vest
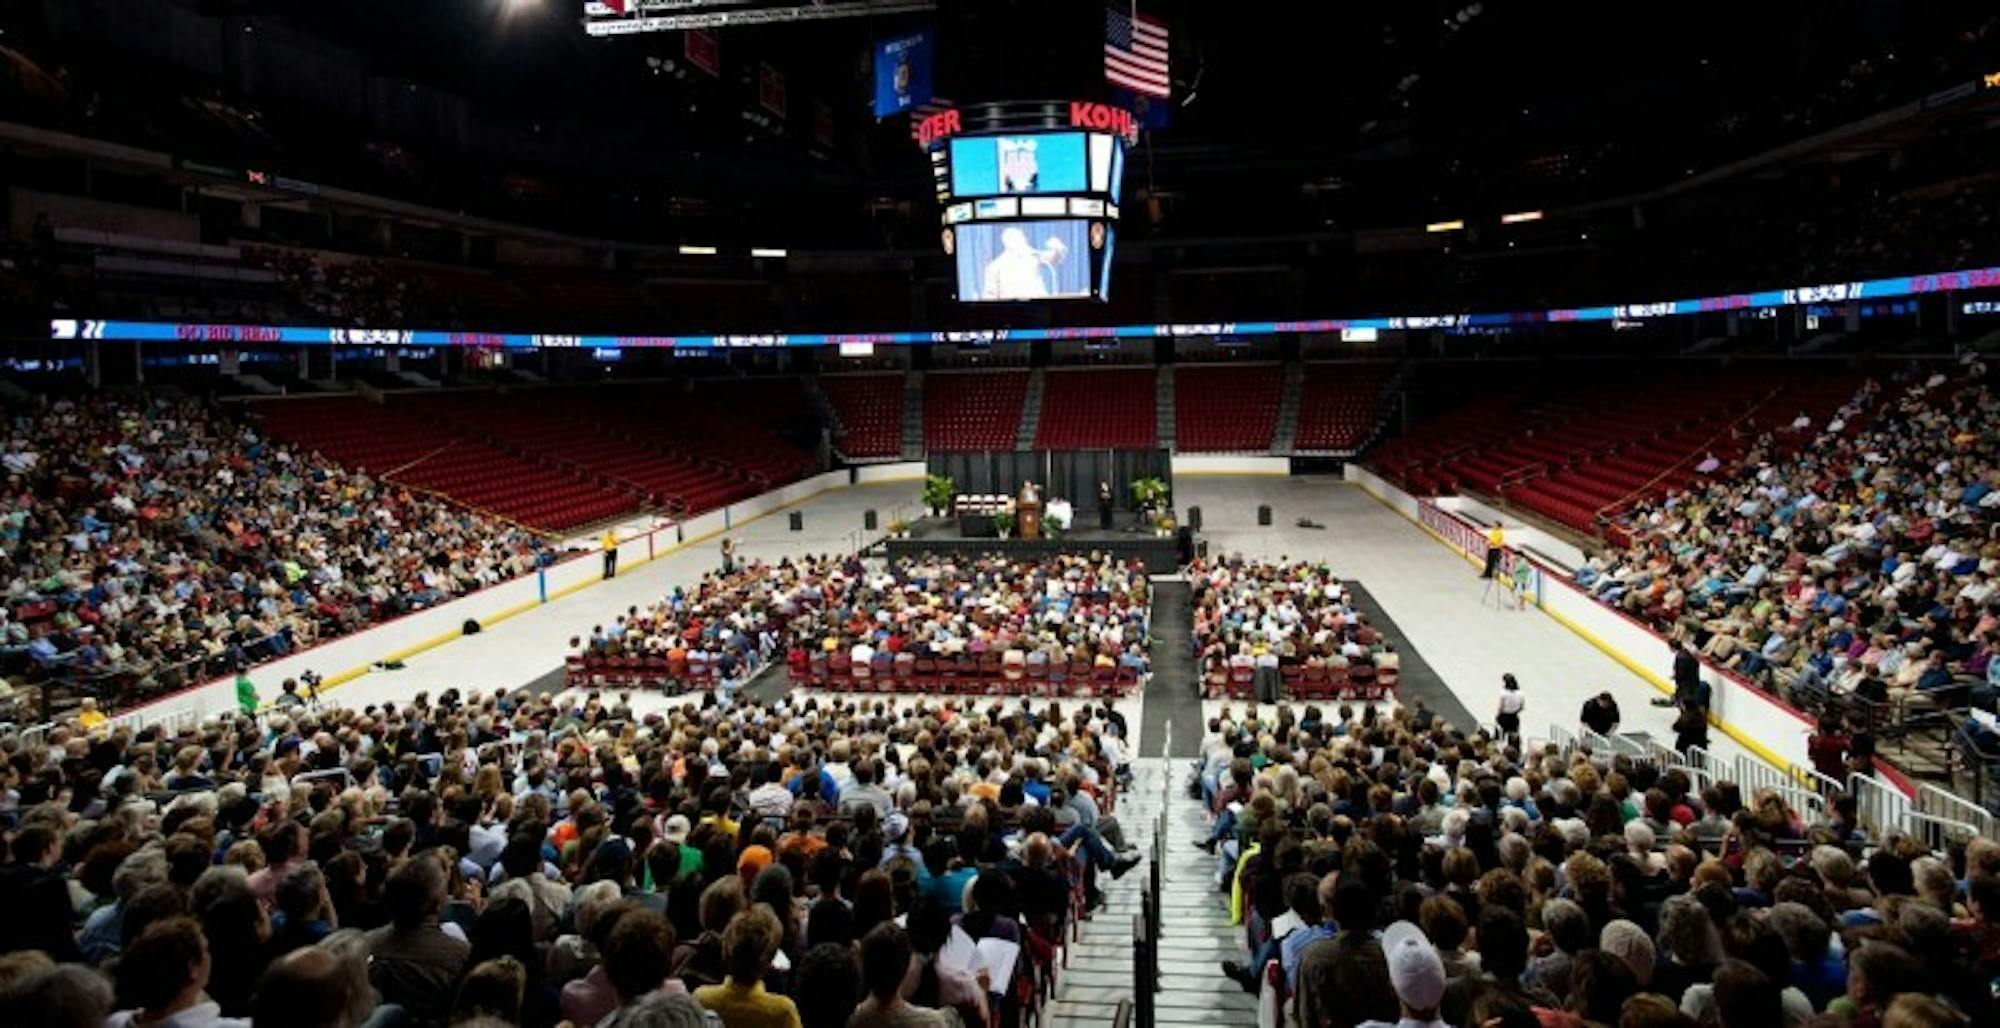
89 716
1496 541
610 553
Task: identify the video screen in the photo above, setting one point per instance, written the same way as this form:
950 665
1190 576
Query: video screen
1000 165
1023 260
1104 276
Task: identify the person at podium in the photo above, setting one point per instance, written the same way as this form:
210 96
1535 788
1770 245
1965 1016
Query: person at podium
1104 505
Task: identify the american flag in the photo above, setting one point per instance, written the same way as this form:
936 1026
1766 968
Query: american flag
919 112
1135 52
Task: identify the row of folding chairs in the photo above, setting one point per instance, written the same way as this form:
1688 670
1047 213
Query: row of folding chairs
966 675
1354 682
637 673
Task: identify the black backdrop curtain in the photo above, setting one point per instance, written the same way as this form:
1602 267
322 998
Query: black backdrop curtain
1069 474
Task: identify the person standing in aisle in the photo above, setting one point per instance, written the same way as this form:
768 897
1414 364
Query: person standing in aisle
1496 541
1511 702
1600 713
246 693
610 544
1690 727
728 555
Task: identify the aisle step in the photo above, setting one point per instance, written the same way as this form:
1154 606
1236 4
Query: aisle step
1195 934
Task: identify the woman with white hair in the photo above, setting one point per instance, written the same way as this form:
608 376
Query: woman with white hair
1454 828
1518 797
1639 840
1688 944
365 1008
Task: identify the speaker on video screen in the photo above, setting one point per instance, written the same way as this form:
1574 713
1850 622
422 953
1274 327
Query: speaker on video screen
798 521
868 519
1264 514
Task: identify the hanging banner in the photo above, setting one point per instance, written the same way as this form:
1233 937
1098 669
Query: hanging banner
902 72
703 50
771 89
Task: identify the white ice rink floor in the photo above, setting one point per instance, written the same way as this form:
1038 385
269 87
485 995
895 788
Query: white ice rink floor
1433 595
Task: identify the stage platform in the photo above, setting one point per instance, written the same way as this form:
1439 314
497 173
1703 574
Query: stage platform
1161 556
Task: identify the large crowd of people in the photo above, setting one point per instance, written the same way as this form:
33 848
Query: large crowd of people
1072 608
1389 870
1270 618
148 544
1863 562
874 620
533 859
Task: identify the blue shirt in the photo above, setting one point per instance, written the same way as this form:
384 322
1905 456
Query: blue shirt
100 939
1293 947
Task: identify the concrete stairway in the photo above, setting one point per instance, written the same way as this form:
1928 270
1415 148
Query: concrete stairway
1284 439
1195 934
1031 411
913 416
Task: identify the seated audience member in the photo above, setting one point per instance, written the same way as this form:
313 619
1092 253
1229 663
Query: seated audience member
163 976
748 945
412 961
885 960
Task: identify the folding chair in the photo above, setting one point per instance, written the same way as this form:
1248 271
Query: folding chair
1242 681
1038 678
1362 677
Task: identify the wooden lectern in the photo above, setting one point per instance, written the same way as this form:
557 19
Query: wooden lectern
1028 512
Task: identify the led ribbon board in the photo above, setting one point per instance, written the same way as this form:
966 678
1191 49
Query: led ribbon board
289 335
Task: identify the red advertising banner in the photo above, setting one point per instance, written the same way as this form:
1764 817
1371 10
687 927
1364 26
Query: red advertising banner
771 89
702 50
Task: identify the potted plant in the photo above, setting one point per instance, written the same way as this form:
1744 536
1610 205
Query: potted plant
938 493
1003 523
1163 524
899 529
1149 493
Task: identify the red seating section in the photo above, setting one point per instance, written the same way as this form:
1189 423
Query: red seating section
1227 407
557 459
965 675
1583 458
1340 405
1361 682
1101 409
396 445
870 409
973 411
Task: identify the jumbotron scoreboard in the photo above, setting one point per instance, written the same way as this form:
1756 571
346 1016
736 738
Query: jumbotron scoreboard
1028 193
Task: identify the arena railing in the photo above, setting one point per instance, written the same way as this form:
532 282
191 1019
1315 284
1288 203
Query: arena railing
1755 776
1935 817
1937 802
1937 832
1879 808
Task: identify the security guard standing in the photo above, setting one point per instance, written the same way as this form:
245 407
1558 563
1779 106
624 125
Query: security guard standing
1496 541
